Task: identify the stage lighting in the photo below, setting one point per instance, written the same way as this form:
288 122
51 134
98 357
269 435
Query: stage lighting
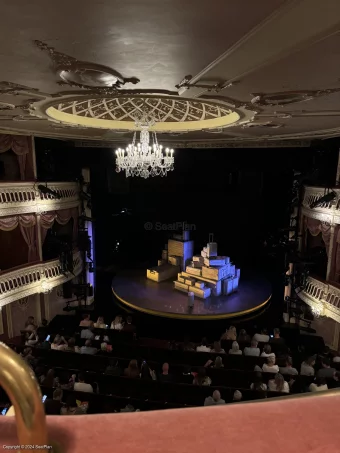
325 199
46 191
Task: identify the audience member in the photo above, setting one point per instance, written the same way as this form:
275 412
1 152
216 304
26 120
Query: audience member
217 348
336 358
214 400
335 382
200 378
258 384
71 346
243 337
117 323
203 346
187 345
100 324
31 338
147 373
59 343
28 357
288 369
88 349
278 384
86 322
230 334
277 340
326 371
218 363
50 380
113 368
53 406
42 330
267 351
165 376
262 337
319 385
270 366
87 333
253 350
128 326
237 396
235 349
81 386
132 371
30 324
71 407
307 367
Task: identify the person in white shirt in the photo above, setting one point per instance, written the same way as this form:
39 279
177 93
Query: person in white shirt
235 349
88 349
270 366
319 385
288 369
336 359
59 343
237 396
100 324
203 346
267 351
31 338
214 400
258 385
262 337
253 350
80 386
278 384
87 334
307 367
117 323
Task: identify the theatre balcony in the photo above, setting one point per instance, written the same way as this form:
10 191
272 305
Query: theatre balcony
326 204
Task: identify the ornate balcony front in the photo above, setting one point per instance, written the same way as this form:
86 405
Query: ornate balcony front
35 278
327 212
322 297
25 197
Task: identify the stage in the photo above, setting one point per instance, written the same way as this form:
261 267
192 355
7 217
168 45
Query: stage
135 291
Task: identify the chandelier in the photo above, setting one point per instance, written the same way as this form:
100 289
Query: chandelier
144 158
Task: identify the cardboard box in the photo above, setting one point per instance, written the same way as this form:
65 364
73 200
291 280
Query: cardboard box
200 285
190 281
161 262
181 279
161 273
216 288
201 293
215 261
174 260
203 254
227 286
196 264
198 258
238 273
235 283
165 255
181 287
215 273
193 271
232 270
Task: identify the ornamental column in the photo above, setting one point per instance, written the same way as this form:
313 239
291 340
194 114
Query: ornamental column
330 253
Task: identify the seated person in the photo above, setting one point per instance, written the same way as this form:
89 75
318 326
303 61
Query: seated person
53 406
253 350
71 346
235 349
28 357
258 384
217 363
214 400
335 382
117 323
319 385
243 337
31 338
203 347
217 348
30 324
336 358
237 396
42 330
277 340
278 384
288 369
267 351
262 337
50 380
86 322
87 333
88 349
71 407
326 371
100 324
165 376
132 371
230 334
113 368
307 367
270 366
128 326
81 386
59 343
200 378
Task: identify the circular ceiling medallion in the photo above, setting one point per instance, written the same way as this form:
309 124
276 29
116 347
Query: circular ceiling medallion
282 98
171 114
89 75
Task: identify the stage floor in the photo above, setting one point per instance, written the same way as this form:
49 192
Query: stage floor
134 290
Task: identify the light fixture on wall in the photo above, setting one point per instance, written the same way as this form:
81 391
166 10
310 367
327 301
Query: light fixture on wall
145 158
46 287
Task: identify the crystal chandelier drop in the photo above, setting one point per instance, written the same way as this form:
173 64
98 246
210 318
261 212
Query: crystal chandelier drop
145 158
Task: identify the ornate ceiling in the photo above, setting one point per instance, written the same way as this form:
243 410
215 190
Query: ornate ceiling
261 73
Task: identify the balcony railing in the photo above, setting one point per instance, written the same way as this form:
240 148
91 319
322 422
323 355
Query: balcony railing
322 297
326 212
35 278
24 197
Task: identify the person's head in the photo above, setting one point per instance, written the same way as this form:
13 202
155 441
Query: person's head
243 333
71 342
129 320
279 382
218 362
58 394
326 363
258 381
81 377
204 341
71 402
57 339
201 374
319 381
103 346
310 361
49 379
237 396
88 343
165 368
289 362
267 349
30 320
264 331
271 361
232 330
276 333
216 396
100 320
235 346
133 365
86 317
217 346
253 344
118 320
44 322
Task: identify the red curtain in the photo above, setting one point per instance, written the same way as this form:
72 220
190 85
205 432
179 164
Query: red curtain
20 145
62 216
27 224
